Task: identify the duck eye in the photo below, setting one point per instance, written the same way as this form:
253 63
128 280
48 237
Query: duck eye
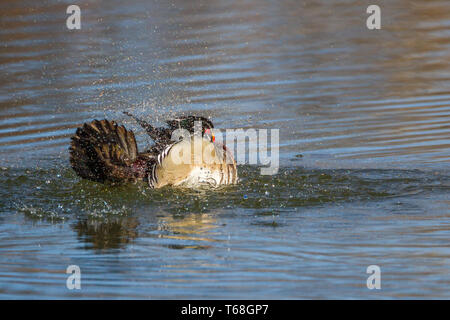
209 134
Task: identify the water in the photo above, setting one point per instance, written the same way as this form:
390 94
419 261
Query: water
364 149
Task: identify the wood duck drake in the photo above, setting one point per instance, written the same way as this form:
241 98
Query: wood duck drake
103 151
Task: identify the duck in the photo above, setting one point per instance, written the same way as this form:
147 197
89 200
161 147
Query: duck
106 152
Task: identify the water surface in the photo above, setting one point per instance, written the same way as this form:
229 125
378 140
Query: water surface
364 119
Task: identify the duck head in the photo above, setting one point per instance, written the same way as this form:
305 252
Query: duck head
188 123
